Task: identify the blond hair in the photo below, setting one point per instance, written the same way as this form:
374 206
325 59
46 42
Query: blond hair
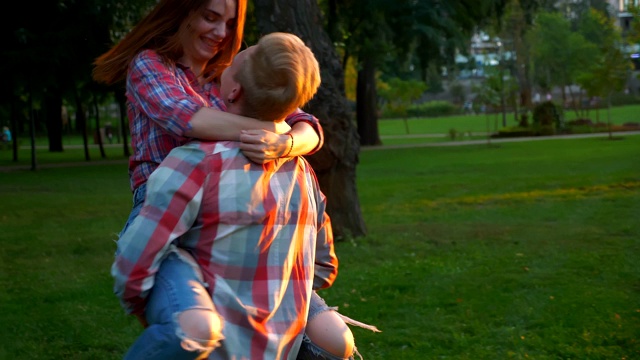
281 74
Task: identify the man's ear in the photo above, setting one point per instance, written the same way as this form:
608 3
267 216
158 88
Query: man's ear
235 94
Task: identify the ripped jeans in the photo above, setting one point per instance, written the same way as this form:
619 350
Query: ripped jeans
177 288
308 349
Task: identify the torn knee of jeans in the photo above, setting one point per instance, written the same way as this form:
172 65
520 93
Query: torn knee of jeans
199 329
311 350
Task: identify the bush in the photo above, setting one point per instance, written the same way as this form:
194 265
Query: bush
580 129
514 131
621 99
546 130
632 125
580 122
389 112
433 109
548 113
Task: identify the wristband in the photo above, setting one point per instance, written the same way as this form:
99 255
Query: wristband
291 147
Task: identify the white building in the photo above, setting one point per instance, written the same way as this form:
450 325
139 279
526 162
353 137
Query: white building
620 8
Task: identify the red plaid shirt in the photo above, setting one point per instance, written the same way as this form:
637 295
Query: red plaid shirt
162 98
259 232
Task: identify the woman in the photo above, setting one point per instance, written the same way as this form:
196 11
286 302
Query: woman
172 61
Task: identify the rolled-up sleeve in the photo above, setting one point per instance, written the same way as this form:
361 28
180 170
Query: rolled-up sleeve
300 115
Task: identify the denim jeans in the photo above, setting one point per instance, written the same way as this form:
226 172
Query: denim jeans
138 200
177 288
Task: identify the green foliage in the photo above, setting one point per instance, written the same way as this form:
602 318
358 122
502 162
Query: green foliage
611 66
559 53
453 134
458 92
398 94
634 33
547 117
515 131
489 92
620 99
433 109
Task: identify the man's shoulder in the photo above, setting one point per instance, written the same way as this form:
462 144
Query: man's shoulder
222 148
206 155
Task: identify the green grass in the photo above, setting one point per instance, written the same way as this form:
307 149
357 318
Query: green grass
516 251
483 123
70 154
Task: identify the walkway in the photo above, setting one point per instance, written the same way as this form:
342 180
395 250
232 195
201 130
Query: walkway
493 141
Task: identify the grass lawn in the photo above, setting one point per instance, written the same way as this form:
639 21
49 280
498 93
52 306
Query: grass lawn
524 250
390 129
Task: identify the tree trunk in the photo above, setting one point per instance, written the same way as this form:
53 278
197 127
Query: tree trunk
122 105
53 117
81 125
609 116
366 99
99 133
32 132
335 164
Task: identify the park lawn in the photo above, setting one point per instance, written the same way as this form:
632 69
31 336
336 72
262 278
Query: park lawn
71 154
513 251
392 132
488 123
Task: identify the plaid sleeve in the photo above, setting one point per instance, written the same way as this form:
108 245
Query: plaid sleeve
326 261
155 88
300 115
173 199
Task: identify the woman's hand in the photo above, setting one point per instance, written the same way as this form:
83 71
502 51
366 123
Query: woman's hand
262 146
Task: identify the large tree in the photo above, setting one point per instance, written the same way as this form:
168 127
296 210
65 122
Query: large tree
559 53
335 164
405 38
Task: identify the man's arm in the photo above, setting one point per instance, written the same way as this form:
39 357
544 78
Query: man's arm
326 262
174 194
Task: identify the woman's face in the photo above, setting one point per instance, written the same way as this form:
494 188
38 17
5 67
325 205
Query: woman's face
207 32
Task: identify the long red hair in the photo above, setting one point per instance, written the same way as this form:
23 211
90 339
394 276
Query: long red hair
161 30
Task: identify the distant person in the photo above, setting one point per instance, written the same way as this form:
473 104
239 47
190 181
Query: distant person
536 98
108 132
6 135
244 245
468 107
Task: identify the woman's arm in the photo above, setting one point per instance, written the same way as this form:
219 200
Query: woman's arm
211 124
305 139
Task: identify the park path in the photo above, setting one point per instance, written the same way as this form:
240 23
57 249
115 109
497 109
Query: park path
362 148
485 141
